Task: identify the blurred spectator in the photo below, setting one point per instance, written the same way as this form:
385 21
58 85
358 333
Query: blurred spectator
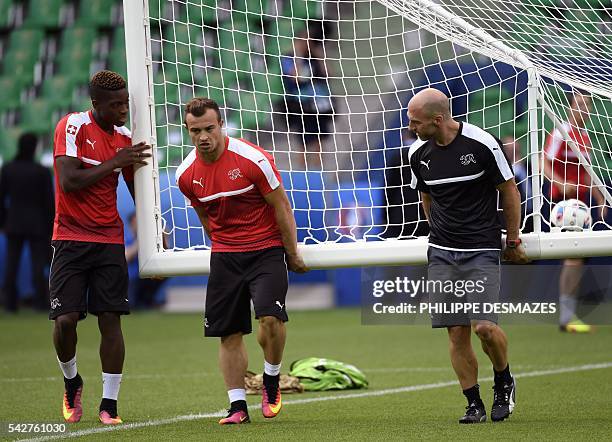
512 149
143 293
308 101
404 215
26 215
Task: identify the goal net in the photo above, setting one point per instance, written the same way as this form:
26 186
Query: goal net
324 85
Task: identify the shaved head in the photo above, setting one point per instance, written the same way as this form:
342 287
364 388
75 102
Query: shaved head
430 102
428 111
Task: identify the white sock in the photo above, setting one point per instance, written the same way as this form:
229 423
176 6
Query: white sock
68 368
237 394
110 385
271 369
567 308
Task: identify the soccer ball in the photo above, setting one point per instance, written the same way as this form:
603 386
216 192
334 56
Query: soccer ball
571 215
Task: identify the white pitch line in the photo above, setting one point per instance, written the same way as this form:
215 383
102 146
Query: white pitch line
370 393
152 376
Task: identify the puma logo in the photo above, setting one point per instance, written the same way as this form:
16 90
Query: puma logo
91 143
199 182
426 164
279 305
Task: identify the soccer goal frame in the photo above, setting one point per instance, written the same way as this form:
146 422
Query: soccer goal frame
155 261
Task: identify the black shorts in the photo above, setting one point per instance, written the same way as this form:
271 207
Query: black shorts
88 277
235 279
462 280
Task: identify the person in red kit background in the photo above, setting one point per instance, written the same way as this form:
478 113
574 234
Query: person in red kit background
88 271
236 191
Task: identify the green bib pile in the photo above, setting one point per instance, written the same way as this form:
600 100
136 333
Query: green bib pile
320 374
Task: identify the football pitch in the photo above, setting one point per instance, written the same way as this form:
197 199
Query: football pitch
172 389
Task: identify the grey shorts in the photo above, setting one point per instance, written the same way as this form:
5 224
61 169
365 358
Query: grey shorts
462 286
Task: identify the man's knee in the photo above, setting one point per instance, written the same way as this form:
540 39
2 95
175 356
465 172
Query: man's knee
271 325
485 330
459 336
67 323
109 323
232 341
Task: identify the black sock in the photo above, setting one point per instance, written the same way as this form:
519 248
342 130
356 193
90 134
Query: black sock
271 386
109 405
504 376
239 405
271 380
74 383
473 394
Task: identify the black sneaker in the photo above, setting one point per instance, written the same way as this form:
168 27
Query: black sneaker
475 413
504 396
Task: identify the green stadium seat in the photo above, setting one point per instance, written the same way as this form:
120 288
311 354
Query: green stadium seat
58 91
10 92
117 62
258 7
306 9
234 53
493 110
76 64
20 65
98 13
26 38
44 13
199 14
280 34
78 37
254 110
8 142
6 7
81 103
37 117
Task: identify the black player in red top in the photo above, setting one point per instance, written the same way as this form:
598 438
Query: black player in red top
89 272
236 191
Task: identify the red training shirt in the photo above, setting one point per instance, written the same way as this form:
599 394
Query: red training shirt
89 214
232 190
565 167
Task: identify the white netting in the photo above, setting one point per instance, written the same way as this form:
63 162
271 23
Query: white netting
348 177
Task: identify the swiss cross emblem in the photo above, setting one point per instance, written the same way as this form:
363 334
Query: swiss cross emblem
234 174
71 129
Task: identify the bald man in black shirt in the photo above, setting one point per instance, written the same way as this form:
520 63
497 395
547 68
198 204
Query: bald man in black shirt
459 169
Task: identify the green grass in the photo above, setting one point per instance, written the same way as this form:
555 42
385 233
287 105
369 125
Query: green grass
171 370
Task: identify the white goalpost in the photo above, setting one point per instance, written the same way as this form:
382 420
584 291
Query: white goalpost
513 68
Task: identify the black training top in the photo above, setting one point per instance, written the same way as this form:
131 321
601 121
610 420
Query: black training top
461 179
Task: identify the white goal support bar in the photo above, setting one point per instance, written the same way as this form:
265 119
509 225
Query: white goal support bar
155 261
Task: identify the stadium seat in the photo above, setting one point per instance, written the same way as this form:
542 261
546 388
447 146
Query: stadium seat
280 34
258 7
6 7
10 91
44 13
36 116
20 65
8 144
76 63
98 13
58 91
306 9
199 14
78 36
255 110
